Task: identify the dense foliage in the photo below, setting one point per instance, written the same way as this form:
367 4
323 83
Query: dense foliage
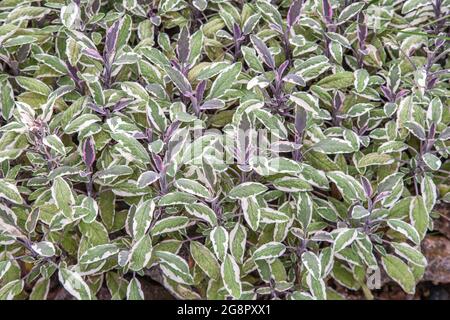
243 149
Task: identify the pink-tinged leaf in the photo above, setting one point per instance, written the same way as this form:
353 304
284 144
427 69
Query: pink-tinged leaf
180 81
295 78
327 11
73 74
432 131
387 93
282 69
401 94
212 104
362 31
158 162
200 90
275 27
121 104
111 40
367 187
294 12
381 196
97 109
338 100
237 33
89 152
300 120
263 51
171 130
183 45
93 54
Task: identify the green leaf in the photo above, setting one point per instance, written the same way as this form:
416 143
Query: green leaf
74 284
4 267
392 146
176 198
40 289
113 172
53 142
271 122
224 81
347 185
142 219
44 248
169 224
211 70
134 290
174 267
291 184
433 162
251 212
70 15
33 85
203 212
107 207
231 276
339 80
140 253
11 289
269 251
350 11
419 216
359 109
359 212
10 192
192 187
435 109
52 62
19 40
179 80
412 5
404 228
399 271
6 100
333 146
375 159
317 287
251 59
63 197
283 165
220 240
314 67
306 101
247 189
312 264
80 123
98 253
416 129
269 215
238 242
344 238
364 248
314 176
429 193
304 209
409 253
147 178
130 148
205 259
135 90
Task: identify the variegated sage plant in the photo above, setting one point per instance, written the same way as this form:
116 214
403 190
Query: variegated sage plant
225 149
